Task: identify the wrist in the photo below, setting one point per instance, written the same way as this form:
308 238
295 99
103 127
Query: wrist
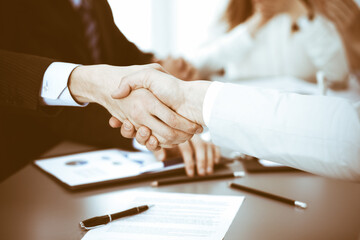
86 84
78 85
194 99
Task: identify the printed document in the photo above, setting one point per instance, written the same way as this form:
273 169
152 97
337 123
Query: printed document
99 166
174 216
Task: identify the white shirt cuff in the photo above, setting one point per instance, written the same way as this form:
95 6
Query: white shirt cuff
54 91
209 100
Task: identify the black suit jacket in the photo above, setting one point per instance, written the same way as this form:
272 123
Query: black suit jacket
33 34
53 29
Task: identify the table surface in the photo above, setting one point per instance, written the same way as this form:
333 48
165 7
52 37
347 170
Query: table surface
34 206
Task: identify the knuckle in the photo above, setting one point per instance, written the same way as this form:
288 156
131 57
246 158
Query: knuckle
170 136
192 128
172 120
125 134
139 139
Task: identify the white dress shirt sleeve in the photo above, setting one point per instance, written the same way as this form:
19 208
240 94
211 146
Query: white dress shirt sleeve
317 134
54 91
209 100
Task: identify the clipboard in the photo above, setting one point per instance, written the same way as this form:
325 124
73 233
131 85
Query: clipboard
107 166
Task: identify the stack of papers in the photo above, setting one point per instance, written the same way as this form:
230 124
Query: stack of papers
93 168
174 216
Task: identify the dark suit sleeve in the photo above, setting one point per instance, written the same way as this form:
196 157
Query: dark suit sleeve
21 78
134 56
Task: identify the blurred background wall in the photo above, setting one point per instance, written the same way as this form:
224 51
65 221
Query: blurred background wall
166 27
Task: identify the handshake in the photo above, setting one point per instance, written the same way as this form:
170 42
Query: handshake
154 107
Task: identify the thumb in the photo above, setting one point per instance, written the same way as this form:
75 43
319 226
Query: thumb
139 79
131 82
123 90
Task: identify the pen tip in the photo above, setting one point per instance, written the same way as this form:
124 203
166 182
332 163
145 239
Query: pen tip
301 204
154 184
82 226
239 174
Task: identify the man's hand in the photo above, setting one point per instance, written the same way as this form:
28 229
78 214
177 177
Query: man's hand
198 155
95 84
179 68
195 152
186 98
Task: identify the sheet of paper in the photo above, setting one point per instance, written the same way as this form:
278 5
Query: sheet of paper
174 216
96 166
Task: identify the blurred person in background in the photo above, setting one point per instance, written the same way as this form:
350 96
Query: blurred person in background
275 38
345 15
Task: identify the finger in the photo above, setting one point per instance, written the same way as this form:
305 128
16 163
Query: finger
166 135
127 129
153 144
217 154
188 157
210 158
142 135
114 122
160 154
174 120
200 156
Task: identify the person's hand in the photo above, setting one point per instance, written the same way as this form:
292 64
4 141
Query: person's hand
186 98
195 152
179 68
142 134
198 155
141 108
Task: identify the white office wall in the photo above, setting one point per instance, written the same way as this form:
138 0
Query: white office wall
175 27
134 18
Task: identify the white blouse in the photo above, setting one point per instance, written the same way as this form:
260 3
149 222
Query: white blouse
276 51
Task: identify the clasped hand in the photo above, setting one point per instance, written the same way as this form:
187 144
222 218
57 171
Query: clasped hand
186 98
141 108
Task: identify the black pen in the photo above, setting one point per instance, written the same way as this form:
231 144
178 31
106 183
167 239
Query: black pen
102 220
197 179
269 195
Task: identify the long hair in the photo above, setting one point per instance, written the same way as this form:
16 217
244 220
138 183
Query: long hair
237 11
